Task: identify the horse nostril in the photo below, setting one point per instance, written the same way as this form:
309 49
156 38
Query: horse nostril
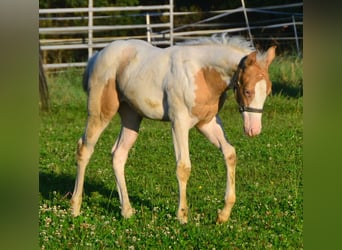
251 132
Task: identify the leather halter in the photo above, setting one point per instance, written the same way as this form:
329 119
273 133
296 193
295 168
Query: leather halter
236 85
249 109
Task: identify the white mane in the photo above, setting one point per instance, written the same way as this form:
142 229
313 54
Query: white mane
222 39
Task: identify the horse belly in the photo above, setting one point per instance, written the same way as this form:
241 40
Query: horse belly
148 102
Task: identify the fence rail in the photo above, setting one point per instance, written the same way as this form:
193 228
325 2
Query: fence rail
161 32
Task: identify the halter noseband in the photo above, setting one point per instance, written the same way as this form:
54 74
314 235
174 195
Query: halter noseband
249 109
236 84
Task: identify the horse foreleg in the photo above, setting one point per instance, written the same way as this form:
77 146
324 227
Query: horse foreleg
215 134
180 133
230 197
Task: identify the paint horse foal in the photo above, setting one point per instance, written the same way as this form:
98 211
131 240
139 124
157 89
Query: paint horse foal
185 85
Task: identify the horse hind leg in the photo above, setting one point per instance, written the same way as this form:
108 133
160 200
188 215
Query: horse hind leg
127 137
103 103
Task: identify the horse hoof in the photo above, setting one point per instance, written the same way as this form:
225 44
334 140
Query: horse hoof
222 218
75 208
182 215
183 220
128 213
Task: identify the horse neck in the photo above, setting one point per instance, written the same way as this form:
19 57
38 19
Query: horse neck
224 57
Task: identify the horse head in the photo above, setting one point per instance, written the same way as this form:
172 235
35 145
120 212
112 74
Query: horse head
251 86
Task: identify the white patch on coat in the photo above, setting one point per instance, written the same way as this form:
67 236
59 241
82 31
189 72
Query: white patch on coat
252 121
260 95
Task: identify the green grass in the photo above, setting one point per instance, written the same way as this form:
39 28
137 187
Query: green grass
268 213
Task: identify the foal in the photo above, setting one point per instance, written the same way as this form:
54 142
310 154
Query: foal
185 85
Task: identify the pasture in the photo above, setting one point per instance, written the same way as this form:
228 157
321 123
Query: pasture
268 213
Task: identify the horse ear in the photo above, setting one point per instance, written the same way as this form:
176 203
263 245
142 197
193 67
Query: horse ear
270 55
251 58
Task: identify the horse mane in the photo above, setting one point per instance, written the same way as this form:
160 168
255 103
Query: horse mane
221 39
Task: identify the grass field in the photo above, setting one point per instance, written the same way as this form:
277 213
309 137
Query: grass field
268 213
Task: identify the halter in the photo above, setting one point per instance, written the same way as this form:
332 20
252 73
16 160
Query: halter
249 109
236 85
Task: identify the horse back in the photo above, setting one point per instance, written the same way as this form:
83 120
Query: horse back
158 82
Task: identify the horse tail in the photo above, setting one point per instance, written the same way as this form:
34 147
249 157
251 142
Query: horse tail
88 71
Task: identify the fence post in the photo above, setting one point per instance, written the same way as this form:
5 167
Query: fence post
171 22
247 23
296 35
43 87
90 28
148 28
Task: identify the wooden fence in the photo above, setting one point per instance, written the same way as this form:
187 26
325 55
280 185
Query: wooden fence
158 26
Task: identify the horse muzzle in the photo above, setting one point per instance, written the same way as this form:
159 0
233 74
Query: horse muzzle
252 123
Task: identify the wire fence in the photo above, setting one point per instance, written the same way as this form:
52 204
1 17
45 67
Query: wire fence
76 32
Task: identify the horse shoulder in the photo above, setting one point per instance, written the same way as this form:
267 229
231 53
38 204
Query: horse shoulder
209 93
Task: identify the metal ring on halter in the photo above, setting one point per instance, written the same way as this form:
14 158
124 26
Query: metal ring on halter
249 109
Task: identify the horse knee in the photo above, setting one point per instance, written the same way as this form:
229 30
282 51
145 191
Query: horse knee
231 157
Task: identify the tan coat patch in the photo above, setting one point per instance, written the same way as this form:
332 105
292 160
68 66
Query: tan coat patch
209 88
251 75
151 103
109 100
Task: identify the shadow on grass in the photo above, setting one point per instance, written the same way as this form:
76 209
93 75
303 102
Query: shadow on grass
49 182
64 185
287 90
